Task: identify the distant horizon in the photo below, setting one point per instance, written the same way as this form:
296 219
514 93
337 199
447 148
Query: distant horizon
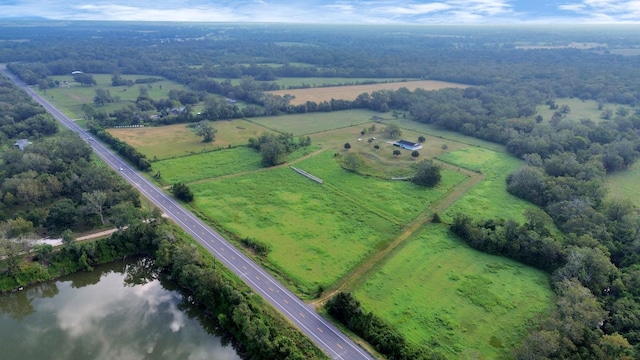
348 12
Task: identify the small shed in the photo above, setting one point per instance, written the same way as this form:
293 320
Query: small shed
409 145
22 143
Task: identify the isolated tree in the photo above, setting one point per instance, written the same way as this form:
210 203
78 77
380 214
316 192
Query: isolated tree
415 154
393 131
95 203
347 146
396 152
444 147
353 162
182 192
427 174
370 140
207 131
376 146
421 139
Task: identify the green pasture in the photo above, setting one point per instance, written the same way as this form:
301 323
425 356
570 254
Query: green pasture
70 99
400 201
207 165
489 198
435 131
316 233
457 301
169 141
304 124
580 109
623 185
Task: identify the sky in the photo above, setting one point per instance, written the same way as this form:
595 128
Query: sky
332 11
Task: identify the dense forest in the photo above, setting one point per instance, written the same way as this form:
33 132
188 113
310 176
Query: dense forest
594 262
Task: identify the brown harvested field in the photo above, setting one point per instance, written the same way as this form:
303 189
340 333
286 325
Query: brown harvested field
351 92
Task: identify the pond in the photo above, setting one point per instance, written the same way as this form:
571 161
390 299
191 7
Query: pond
118 311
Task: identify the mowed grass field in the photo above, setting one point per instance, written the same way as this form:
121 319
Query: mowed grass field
351 92
317 232
489 198
304 124
623 185
460 302
70 99
178 140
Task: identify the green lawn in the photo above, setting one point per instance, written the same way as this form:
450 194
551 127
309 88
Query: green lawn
489 198
303 124
316 233
460 302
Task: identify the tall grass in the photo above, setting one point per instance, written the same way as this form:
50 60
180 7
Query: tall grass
458 301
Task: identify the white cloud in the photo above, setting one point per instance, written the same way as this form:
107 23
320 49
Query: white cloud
323 11
605 10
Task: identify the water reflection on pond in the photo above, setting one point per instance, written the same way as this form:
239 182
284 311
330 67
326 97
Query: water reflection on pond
116 312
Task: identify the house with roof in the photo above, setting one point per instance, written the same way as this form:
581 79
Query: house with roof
22 143
408 145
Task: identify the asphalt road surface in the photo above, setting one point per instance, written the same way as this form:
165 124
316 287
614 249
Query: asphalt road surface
324 334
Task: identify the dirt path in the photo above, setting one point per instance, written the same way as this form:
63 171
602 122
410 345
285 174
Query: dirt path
364 269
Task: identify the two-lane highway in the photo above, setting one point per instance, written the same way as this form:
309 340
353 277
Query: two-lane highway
324 334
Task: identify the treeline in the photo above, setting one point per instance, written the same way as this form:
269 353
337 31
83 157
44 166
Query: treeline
125 150
385 339
261 332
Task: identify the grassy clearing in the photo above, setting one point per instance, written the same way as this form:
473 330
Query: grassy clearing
352 92
70 99
315 122
208 165
488 199
623 185
580 109
466 304
154 141
316 234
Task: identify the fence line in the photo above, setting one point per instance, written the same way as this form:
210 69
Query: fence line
304 173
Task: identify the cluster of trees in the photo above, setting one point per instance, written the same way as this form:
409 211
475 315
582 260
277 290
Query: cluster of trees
20 116
275 148
53 185
386 340
125 150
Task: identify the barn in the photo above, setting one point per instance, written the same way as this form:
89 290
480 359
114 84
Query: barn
409 145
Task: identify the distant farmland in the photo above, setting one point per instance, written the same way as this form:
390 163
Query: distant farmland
352 92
